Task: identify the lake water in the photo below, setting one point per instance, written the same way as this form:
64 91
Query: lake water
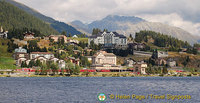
86 89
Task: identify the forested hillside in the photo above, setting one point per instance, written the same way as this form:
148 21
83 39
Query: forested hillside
12 17
161 40
57 25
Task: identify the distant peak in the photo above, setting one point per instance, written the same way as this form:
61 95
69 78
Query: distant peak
123 18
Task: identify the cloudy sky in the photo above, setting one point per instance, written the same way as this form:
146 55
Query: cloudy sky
180 13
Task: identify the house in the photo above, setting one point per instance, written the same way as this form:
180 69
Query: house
29 35
20 60
42 59
108 39
57 37
139 68
130 62
160 62
61 64
73 60
47 55
3 34
171 62
159 54
20 53
103 60
53 59
75 36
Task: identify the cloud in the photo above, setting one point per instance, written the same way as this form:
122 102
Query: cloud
181 13
175 20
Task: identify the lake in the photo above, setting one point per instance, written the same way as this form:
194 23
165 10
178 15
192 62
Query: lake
86 89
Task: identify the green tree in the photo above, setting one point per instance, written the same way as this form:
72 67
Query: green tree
38 63
31 63
164 70
64 33
54 67
44 69
95 31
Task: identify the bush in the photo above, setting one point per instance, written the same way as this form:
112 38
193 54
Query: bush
104 75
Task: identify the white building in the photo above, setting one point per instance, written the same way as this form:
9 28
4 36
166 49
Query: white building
104 61
47 55
108 39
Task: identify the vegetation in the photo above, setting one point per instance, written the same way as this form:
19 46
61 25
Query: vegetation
12 18
161 40
6 60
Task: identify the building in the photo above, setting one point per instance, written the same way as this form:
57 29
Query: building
75 36
130 62
159 54
108 39
21 54
73 60
47 55
140 68
160 62
57 37
61 64
171 62
136 46
29 35
104 61
3 34
42 59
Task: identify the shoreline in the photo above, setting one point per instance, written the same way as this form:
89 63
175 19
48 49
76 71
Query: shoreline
3 76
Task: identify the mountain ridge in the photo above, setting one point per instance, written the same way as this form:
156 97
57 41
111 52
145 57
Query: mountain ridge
12 17
57 25
128 26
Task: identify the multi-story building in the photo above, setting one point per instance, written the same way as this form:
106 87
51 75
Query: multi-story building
20 55
108 39
104 61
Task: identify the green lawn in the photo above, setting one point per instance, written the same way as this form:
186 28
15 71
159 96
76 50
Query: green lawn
7 63
6 60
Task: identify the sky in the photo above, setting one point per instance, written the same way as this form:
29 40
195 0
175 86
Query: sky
180 13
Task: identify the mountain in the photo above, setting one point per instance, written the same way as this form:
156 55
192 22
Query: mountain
130 25
12 17
57 25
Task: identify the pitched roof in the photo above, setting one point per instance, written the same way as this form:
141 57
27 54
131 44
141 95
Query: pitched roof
100 34
104 53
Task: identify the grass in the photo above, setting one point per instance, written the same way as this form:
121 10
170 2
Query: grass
44 43
7 63
6 60
80 39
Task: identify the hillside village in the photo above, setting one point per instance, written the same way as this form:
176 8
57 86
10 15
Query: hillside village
103 52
